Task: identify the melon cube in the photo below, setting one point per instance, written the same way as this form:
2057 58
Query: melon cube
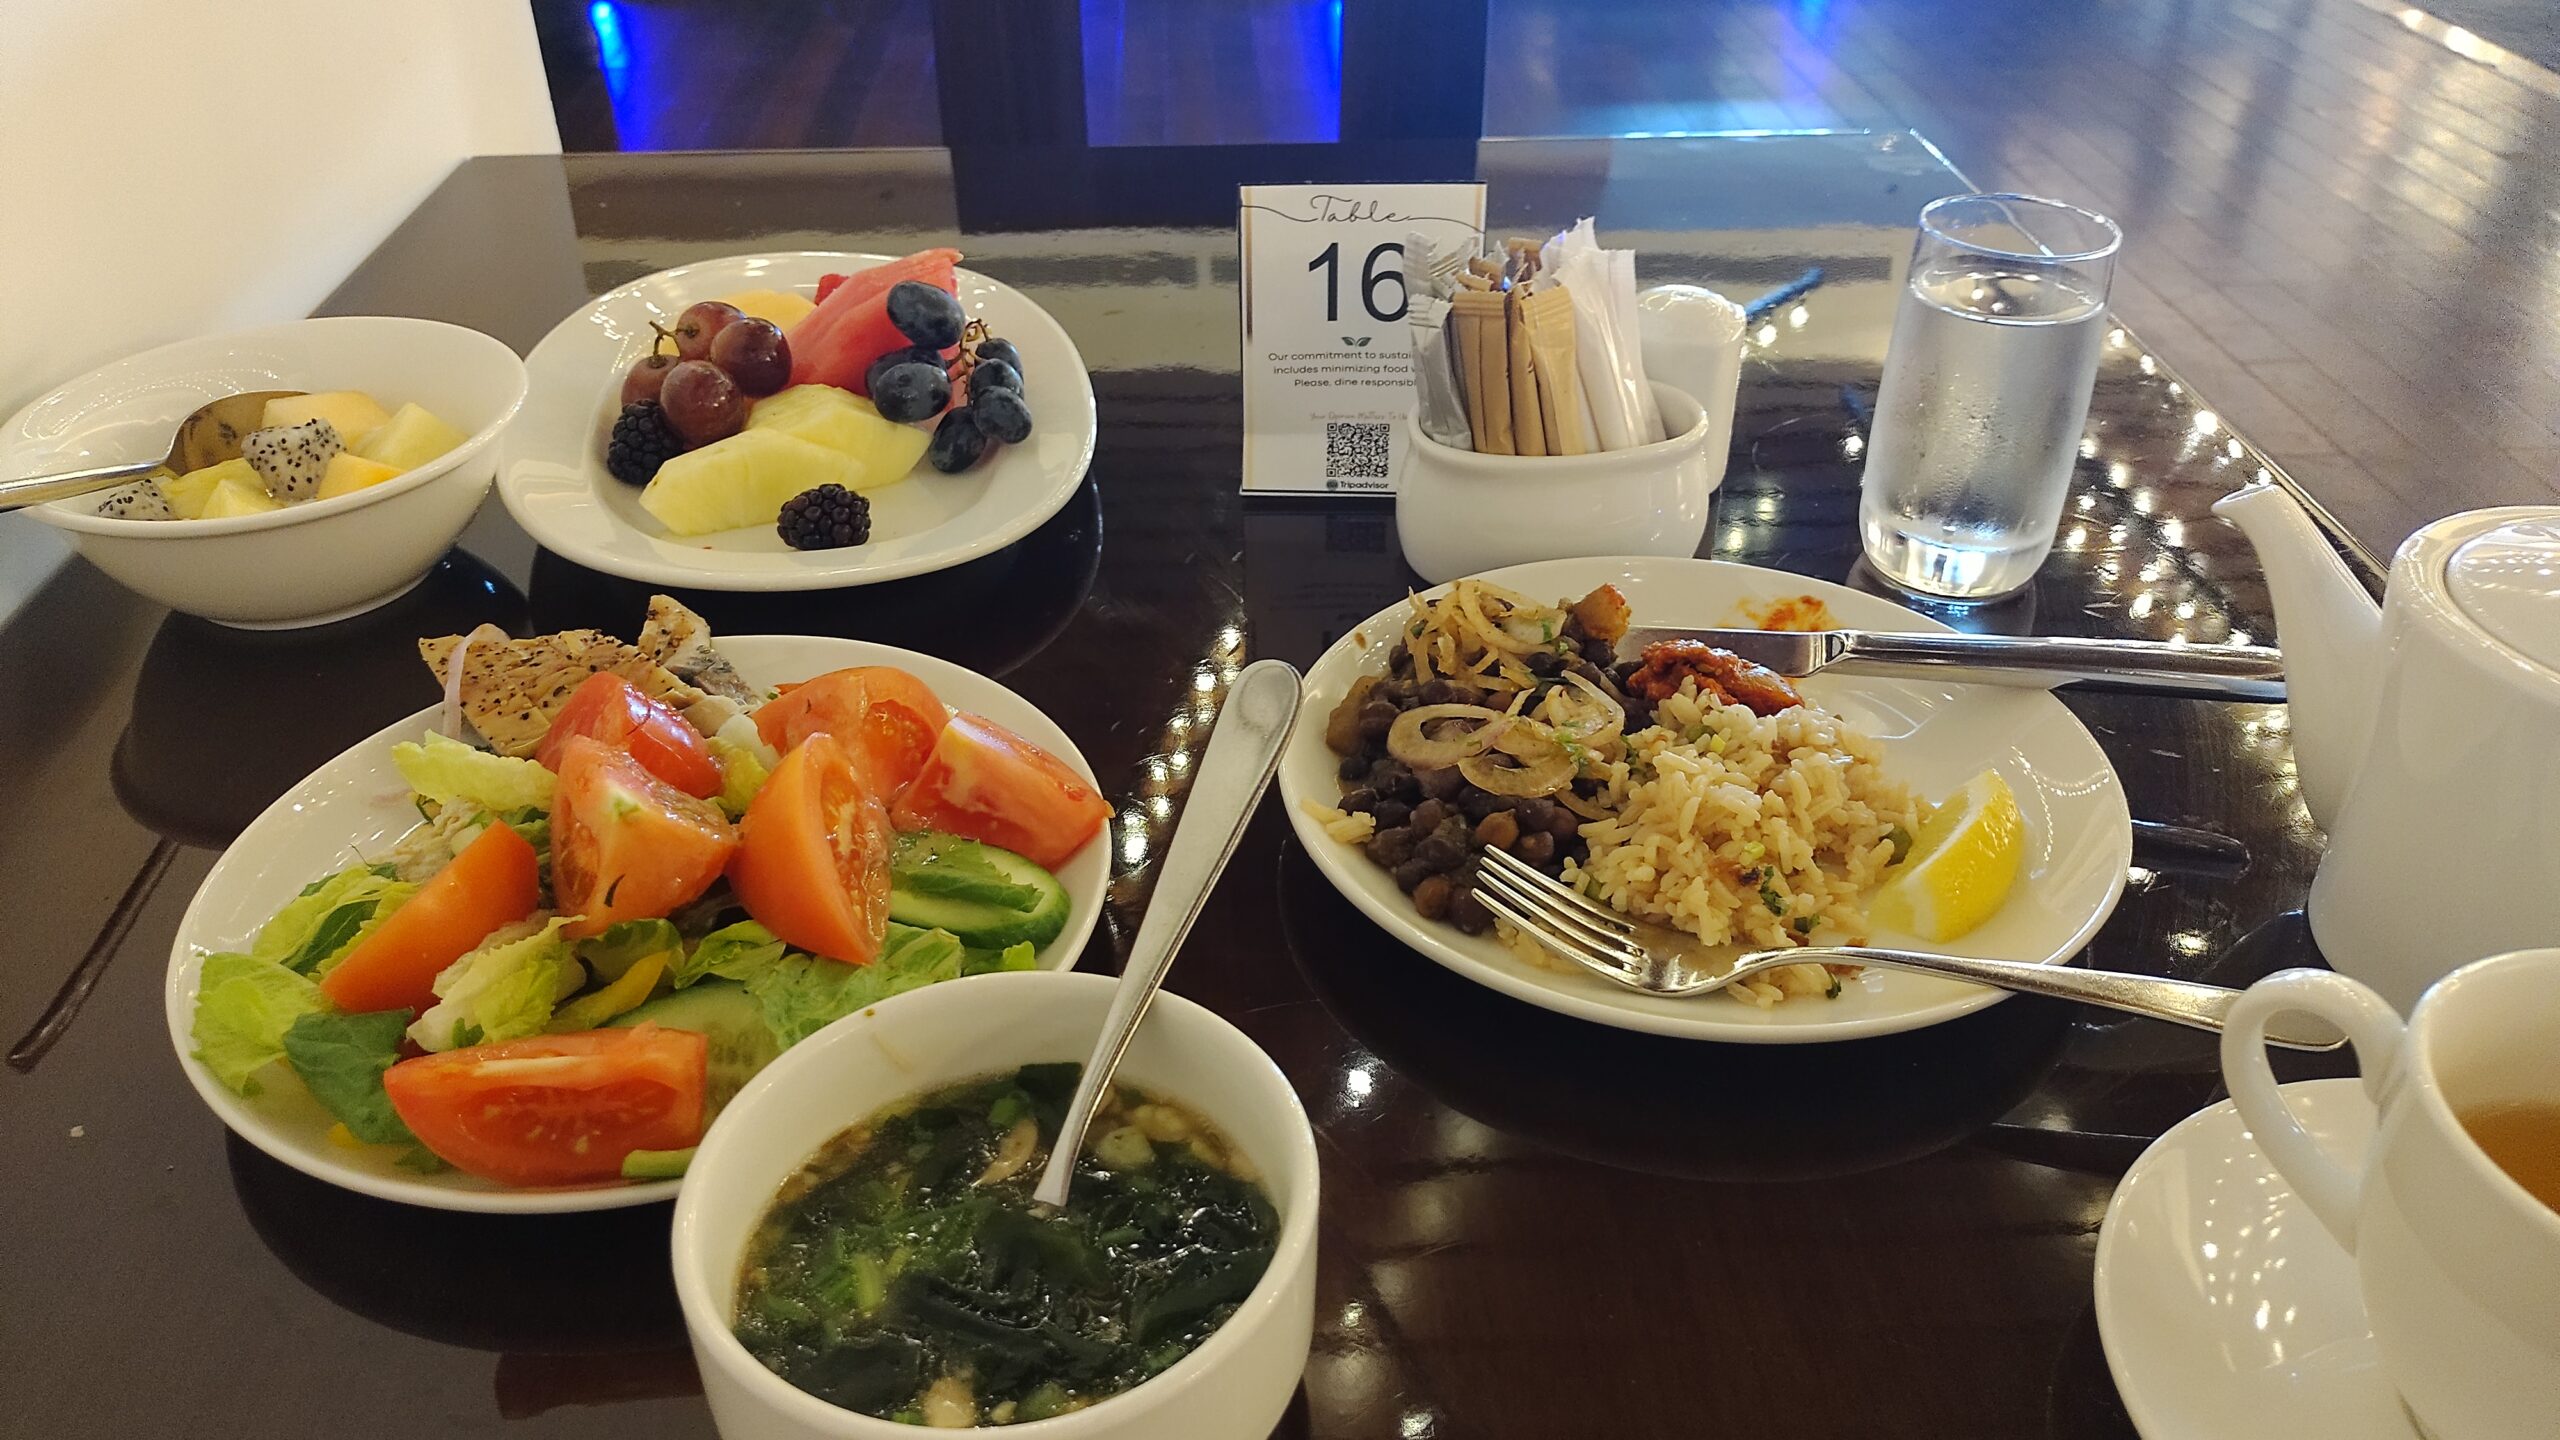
845 422
349 473
353 412
781 307
410 438
189 493
235 496
742 481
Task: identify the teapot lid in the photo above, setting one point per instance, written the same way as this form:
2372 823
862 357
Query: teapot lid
2507 581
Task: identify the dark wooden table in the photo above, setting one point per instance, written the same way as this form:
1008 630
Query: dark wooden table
1533 1227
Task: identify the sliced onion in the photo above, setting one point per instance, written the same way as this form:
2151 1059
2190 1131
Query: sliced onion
1407 741
1587 809
1614 715
1538 777
1530 743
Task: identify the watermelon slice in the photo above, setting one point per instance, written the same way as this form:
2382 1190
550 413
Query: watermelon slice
836 343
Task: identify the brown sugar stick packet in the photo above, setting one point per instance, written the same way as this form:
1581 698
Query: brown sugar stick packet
1528 419
1486 366
1553 358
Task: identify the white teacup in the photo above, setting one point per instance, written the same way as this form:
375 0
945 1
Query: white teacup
2459 1264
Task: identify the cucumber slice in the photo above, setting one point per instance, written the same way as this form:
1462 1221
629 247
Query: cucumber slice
988 897
722 1012
657 1164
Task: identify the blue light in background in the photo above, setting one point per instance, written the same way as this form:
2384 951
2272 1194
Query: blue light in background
613 53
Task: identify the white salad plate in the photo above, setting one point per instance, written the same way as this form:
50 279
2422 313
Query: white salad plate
357 804
2226 1310
553 480
1935 737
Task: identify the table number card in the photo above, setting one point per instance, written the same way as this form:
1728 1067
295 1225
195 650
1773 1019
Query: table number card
1328 365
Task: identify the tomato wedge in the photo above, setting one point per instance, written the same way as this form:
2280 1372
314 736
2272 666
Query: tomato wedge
496 880
989 784
813 857
555 1109
626 845
886 719
611 709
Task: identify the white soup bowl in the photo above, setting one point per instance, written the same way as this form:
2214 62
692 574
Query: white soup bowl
1235 1386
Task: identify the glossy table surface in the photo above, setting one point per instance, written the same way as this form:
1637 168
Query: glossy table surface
1532 1227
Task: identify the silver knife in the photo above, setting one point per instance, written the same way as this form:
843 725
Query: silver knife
2139 667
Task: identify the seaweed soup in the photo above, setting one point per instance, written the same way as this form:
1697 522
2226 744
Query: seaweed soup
905 1271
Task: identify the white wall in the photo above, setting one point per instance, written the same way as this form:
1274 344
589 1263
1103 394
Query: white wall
182 166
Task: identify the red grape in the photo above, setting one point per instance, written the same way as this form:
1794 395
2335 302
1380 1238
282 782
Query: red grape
755 355
700 324
645 378
702 402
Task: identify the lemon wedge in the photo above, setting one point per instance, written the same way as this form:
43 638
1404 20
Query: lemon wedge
1960 865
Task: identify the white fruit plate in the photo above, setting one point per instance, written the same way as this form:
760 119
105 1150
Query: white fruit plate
1935 736
553 480
357 804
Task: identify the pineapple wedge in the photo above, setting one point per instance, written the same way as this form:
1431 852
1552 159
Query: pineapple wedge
353 412
349 473
410 438
742 481
235 496
781 307
844 421
190 493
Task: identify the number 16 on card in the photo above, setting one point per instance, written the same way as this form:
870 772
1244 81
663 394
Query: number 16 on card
1327 365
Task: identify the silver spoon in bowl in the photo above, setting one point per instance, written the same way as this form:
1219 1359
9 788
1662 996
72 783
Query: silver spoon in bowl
1235 768
209 435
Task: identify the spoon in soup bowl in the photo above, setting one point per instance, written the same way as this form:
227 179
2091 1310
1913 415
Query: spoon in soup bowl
1235 768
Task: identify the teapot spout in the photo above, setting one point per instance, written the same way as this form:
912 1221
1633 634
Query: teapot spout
2331 634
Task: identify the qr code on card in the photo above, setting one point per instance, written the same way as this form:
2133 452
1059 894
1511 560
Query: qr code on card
1355 450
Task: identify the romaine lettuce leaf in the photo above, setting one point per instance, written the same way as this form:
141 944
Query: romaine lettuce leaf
318 927
1012 957
742 773
613 953
447 771
505 990
341 1059
244 1006
732 952
802 994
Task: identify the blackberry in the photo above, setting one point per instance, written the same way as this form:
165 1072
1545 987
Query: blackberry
642 441
824 519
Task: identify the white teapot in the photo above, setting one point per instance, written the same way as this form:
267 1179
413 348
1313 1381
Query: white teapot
2426 735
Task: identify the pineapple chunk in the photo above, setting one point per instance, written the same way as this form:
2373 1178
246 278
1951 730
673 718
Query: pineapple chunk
844 421
189 493
781 307
349 473
410 438
235 496
353 412
742 481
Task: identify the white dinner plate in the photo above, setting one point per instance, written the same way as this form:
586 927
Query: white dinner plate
553 480
357 804
2226 1311
1935 736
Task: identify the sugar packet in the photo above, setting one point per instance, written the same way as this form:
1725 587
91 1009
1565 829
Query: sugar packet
1609 354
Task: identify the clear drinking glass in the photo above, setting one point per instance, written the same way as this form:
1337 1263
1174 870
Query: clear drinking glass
1986 390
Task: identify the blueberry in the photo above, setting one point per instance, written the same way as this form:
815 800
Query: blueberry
900 356
926 314
994 375
1001 414
992 348
911 391
957 442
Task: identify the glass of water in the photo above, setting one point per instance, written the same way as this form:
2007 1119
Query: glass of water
1986 390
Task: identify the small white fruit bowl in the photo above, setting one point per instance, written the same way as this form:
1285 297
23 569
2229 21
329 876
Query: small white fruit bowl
307 563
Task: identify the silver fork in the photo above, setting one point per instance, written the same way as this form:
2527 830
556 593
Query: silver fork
1661 961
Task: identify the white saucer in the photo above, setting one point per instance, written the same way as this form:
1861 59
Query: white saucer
2226 1311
